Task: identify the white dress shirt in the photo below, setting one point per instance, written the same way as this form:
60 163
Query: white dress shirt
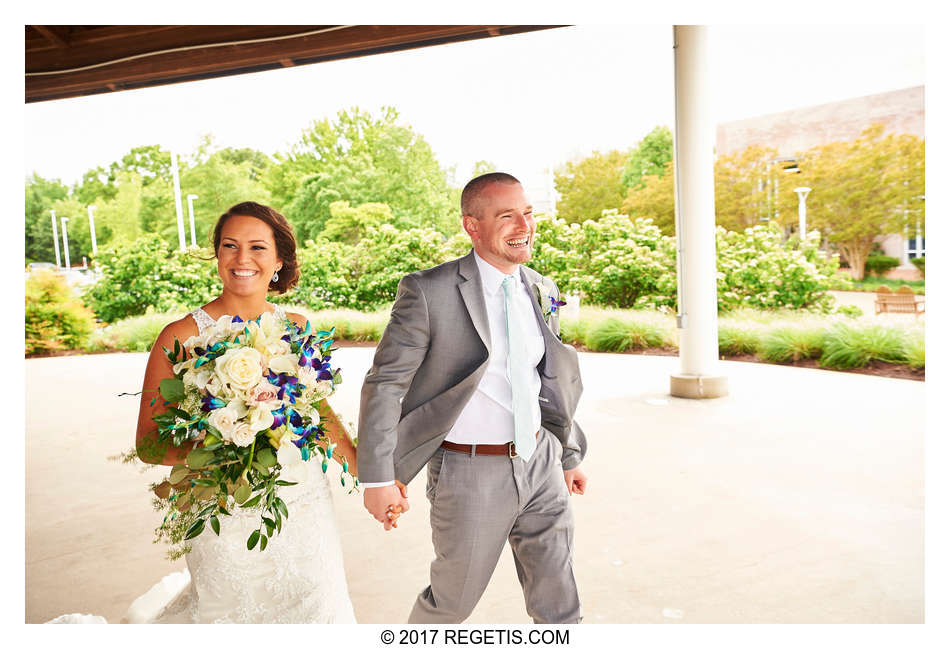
488 418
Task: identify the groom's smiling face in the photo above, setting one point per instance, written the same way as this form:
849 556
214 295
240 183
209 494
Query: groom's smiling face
503 229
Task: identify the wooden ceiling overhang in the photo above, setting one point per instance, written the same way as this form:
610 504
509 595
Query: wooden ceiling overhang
71 61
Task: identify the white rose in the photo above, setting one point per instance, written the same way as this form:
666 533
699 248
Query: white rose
243 435
260 419
285 363
224 420
239 366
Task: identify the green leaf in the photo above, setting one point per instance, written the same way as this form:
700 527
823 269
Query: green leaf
281 507
266 457
205 482
253 501
179 471
263 543
270 525
284 483
223 511
242 494
172 390
215 525
279 522
198 458
252 539
195 529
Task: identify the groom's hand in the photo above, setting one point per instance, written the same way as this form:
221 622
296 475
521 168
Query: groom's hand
378 501
576 481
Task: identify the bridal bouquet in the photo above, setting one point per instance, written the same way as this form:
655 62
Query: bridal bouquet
250 394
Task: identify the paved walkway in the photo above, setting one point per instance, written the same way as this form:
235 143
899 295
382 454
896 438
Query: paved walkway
798 498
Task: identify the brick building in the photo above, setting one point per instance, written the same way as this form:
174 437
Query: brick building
794 131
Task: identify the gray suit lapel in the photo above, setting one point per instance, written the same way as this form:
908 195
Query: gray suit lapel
474 298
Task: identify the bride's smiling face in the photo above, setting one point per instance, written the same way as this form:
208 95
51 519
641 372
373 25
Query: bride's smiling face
247 256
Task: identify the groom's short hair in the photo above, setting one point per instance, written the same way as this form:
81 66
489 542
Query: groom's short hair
472 192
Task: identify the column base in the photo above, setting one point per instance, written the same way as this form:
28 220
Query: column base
698 387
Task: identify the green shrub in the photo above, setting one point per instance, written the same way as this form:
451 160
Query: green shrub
54 319
915 350
616 335
847 347
787 344
146 273
757 269
880 264
850 310
135 334
919 263
574 330
736 340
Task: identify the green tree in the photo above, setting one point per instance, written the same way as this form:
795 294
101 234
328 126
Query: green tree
650 157
751 189
861 189
41 196
654 199
483 167
590 186
362 159
350 224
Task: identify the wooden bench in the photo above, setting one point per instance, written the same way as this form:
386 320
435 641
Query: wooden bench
903 301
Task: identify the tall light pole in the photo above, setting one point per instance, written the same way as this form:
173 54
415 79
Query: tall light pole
62 221
177 185
92 228
191 216
55 236
802 194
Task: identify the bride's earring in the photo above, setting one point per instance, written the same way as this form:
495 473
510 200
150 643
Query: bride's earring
275 278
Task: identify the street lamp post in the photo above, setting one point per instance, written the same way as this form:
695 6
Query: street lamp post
191 216
55 236
92 228
177 187
802 194
62 221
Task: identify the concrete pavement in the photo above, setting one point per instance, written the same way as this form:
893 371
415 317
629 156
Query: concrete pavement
798 498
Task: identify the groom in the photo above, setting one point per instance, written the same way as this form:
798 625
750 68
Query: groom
470 376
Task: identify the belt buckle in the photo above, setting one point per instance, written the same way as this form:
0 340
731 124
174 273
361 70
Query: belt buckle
511 450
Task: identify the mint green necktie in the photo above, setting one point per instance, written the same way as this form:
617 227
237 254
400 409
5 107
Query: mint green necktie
519 373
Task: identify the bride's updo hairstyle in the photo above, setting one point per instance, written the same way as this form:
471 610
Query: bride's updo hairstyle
283 237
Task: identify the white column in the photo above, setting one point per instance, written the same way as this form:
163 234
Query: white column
694 142
62 221
905 253
919 241
55 237
92 228
177 185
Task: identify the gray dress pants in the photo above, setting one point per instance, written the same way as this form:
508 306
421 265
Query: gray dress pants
479 502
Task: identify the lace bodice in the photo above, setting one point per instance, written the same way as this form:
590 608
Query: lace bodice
203 320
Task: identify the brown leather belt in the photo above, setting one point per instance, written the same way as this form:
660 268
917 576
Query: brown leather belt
484 449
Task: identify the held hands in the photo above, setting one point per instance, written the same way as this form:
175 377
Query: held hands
386 504
576 481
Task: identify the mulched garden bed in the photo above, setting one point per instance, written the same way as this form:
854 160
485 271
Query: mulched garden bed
875 368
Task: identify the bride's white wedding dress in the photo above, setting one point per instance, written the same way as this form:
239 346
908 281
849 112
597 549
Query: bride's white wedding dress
299 578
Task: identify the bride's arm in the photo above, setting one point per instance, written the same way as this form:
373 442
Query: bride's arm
336 432
149 448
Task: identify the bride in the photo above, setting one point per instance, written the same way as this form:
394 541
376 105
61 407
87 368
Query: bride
300 577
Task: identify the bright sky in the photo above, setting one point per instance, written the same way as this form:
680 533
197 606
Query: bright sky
526 102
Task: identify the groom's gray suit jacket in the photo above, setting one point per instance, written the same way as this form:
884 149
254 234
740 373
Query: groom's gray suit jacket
429 362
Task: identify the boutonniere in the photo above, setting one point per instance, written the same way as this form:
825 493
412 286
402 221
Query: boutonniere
549 303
